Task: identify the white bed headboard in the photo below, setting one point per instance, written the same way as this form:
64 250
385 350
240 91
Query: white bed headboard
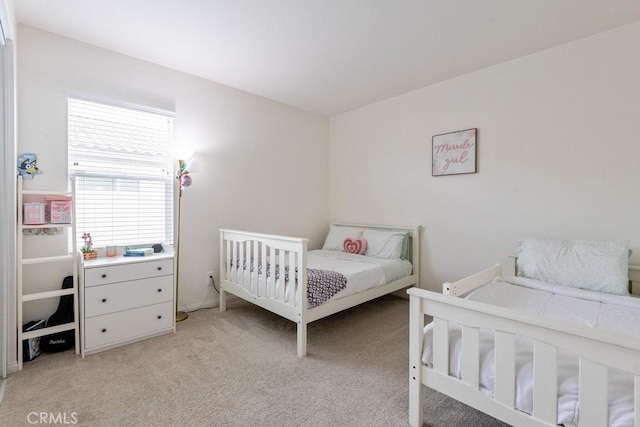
413 253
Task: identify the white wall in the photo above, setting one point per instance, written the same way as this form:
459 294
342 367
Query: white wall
261 165
558 144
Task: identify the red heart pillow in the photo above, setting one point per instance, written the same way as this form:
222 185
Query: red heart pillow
354 246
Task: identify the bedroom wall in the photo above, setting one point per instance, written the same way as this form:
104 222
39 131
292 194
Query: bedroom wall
259 165
557 150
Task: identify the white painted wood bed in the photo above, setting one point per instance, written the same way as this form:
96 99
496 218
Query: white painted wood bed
595 349
238 246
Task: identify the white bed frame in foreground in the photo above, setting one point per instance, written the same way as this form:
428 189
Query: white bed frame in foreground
281 250
595 349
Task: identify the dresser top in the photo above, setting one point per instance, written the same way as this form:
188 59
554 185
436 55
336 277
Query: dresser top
119 259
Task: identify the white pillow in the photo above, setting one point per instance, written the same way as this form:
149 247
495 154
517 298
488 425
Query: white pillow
601 266
384 243
337 234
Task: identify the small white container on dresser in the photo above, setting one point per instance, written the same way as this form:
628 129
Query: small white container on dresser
126 299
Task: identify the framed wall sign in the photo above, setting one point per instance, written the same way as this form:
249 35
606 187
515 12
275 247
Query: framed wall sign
454 153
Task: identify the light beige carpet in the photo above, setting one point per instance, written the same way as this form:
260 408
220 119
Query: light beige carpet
240 368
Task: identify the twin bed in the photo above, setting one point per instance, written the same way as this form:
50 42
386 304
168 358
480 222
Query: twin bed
279 274
557 343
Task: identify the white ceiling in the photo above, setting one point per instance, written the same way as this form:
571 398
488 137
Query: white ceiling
327 56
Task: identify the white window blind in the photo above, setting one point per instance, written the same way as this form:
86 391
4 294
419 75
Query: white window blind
120 160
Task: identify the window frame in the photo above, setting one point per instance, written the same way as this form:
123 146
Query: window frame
169 231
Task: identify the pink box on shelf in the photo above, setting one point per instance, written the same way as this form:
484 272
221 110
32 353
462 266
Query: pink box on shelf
34 213
60 210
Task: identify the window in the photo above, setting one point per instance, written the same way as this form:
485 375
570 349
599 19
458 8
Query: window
120 160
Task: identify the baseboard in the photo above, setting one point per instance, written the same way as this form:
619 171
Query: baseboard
209 303
215 302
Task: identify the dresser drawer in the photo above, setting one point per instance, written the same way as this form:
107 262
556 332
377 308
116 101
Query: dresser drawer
125 272
105 299
121 326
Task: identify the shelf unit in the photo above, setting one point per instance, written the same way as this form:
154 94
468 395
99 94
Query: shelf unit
23 261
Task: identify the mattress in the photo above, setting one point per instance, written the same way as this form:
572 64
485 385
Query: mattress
601 311
361 273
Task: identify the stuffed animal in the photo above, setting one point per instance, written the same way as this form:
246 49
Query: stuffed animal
27 167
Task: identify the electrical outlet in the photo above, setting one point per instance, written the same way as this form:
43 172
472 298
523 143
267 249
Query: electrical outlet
210 274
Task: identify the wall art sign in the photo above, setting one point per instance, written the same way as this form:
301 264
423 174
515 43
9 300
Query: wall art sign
454 153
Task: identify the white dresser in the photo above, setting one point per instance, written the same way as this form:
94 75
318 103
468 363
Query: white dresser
125 299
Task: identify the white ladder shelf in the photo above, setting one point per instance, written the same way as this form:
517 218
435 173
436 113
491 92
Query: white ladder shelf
23 261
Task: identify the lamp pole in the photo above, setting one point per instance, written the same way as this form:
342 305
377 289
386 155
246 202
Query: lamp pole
180 315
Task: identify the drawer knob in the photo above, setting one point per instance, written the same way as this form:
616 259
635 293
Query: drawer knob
159 289
104 276
104 329
104 300
159 317
159 268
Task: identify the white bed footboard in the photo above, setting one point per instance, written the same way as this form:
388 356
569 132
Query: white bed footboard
242 254
595 349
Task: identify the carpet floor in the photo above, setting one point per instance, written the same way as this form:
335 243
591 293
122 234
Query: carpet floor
240 368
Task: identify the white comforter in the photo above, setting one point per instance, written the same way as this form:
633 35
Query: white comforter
362 272
606 312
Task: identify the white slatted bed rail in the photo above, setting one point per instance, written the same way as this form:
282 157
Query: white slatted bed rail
241 247
596 351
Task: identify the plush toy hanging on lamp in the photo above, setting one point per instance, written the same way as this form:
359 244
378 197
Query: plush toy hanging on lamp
183 176
184 181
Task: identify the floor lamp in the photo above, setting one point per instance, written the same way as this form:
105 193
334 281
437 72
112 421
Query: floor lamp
184 180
